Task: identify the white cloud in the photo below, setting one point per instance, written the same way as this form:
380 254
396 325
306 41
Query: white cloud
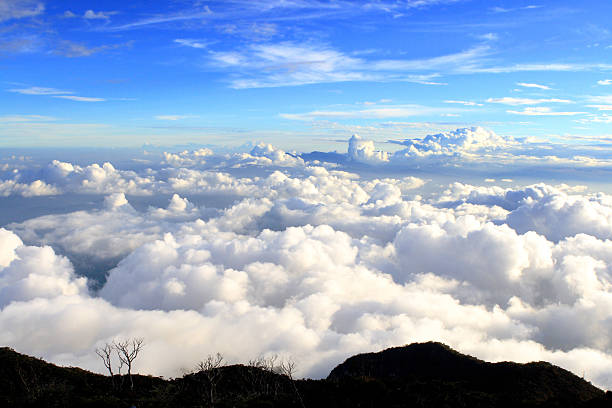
100 15
25 118
543 111
37 90
80 98
603 99
72 49
13 9
455 142
601 107
289 64
200 13
525 101
604 82
466 103
532 85
489 37
317 293
55 93
364 151
383 112
604 118
35 188
174 117
190 42
318 263
535 67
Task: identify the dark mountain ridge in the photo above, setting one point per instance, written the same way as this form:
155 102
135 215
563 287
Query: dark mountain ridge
418 375
511 384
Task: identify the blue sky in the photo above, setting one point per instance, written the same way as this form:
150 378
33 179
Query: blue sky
301 74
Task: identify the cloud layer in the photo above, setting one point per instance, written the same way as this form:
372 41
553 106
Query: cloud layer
308 260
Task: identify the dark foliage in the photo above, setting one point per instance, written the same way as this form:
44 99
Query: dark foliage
419 375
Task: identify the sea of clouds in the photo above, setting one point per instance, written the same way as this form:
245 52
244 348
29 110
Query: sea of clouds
310 259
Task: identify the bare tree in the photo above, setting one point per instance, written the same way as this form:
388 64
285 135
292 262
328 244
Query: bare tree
127 351
210 368
105 353
259 376
288 368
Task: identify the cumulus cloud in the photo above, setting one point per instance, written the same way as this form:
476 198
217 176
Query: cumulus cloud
455 142
95 178
204 171
363 150
35 188
556 212
30 273
311 261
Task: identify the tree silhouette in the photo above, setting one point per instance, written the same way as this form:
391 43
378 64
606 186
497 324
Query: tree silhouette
105 353
210 368
127 351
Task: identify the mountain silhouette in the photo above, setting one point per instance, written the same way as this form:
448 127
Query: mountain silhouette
418 375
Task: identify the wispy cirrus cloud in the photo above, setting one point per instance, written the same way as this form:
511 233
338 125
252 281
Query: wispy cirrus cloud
600 99
266 11
15 9
38 90
542 111
465 103
55 93
605 82
382 112
601 107
193 43
534 67
73 50
80 98
532 85
445 62
186 15
290 64
604 118
20 43
174 117
526 101
25 118
512 9
259 65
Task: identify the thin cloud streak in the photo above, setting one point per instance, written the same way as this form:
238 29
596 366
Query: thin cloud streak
542 111
395 111
531 85
37 90
526 101
80 98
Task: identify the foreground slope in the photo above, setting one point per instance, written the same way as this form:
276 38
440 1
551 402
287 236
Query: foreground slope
418 375
439 372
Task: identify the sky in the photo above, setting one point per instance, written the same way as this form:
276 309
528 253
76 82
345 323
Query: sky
300 73
320 178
